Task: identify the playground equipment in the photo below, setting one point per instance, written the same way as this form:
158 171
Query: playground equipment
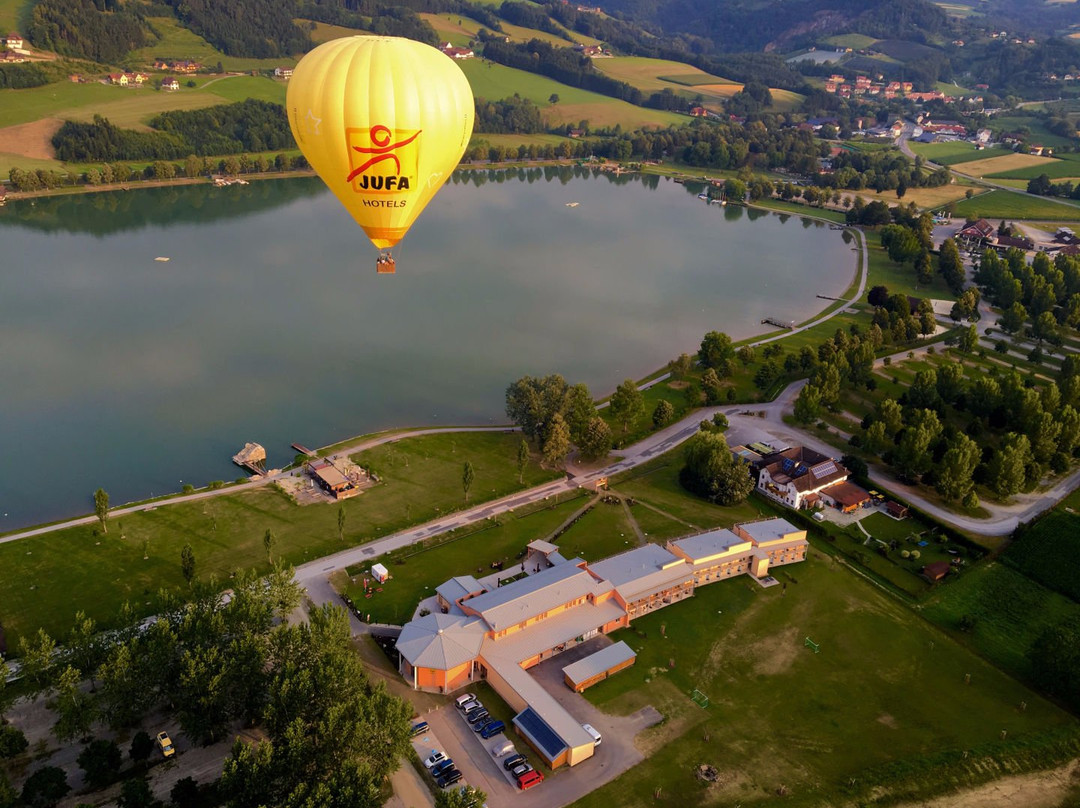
812 645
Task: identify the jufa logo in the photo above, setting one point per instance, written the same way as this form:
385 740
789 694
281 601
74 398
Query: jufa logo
382 160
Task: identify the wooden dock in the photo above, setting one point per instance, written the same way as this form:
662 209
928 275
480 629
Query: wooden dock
304 450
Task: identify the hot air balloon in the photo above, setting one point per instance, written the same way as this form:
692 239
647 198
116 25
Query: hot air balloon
383 121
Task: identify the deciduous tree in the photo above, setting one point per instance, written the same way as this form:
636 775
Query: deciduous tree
557 444
101 509
468 474
627 403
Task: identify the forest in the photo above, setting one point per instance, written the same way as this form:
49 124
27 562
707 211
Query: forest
259 28
515 115
82 29
246 126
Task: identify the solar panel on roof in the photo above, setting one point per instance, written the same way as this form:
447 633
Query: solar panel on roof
539 731
825 469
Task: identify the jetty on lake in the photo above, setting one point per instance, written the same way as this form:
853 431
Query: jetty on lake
252 457
778 322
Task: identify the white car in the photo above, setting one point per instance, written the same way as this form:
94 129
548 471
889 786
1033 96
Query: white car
434 758
595 735
461 701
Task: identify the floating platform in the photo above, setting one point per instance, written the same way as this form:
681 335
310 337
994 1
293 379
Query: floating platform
778 322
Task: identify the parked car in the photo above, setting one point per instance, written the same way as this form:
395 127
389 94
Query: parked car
518 771
513 762
530 779
503 749
483 722
476 715
448 778
461 701
435 757
165 744
472 704
595 735
419 728
492 729
442 767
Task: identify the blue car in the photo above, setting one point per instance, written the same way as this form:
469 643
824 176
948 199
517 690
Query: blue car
492 729
439 768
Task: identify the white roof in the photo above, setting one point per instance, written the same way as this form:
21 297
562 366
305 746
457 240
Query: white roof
602 661
441 641
706 545
643 571
769 530
379 569
511 604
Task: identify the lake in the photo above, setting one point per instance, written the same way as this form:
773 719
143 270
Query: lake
269 324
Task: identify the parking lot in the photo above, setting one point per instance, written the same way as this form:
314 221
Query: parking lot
449 733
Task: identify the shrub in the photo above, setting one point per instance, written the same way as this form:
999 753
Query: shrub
12 742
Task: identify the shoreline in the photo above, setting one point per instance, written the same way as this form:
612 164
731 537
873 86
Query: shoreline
814 315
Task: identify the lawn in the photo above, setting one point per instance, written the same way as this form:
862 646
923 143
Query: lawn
22 106
14 14
648 75
415 574
802 210
513 141
421 480
882 710
948 154
604 531
1009 205
138 106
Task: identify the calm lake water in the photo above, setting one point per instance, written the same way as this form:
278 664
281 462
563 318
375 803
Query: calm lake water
269 324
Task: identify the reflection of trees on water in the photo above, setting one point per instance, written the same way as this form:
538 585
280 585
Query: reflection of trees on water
550 173
107 212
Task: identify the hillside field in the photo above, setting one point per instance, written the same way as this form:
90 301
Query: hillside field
651 75
178 42
952 153
494 81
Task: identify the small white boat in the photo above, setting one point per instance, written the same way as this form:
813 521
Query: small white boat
161 258
572 204
704 196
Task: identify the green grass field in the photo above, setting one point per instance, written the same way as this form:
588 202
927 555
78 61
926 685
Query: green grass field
22 106
1009 611
1038 133
1067 165
648 74
950 154
1007 205
853 41
14 14
462 552
421 480
495 81
1046 552
883 709
177 42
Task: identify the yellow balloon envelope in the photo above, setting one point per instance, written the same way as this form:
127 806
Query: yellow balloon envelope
383 121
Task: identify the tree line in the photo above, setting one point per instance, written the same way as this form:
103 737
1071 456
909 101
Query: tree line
331 734
250 125
514 115
1041 297
262 29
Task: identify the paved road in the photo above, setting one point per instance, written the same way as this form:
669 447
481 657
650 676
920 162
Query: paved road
345 451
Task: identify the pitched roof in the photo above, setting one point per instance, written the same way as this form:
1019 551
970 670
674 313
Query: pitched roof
535 594
847 494
441 641
807 469
642 571
706 546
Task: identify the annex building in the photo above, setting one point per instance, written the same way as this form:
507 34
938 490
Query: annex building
498 634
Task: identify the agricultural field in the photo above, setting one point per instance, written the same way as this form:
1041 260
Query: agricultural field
13 14
494 81
1009 205
952 153
924 198
1038 132
514 141
459 30
651 75
324 32
140 554
882 710
1062 167
1047 552
177 42
1002 164
853 41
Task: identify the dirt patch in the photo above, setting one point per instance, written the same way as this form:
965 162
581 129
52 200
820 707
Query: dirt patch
888 720
775 654
1038 790
678 385
31 139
